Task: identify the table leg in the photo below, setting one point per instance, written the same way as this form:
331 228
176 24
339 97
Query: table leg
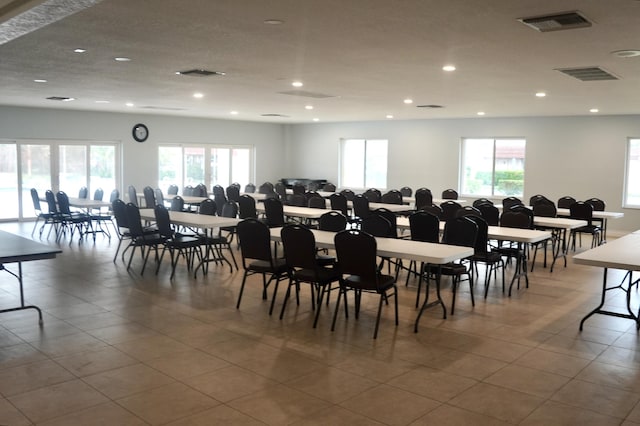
605 289
521 268
426 303
22 305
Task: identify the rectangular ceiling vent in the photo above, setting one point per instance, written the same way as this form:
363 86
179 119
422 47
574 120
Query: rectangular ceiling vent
200 73
588 73
432 106
306 94
556 22
60 98
161 108
273 115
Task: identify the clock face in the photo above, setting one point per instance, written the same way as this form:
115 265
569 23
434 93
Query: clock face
140 132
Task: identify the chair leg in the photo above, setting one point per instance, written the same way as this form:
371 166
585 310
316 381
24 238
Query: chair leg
244 280
375 331
286 298
335 312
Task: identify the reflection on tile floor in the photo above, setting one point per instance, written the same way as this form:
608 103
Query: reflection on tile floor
118 348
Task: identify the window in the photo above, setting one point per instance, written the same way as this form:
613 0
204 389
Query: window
632 175
363 163
191 165
492 167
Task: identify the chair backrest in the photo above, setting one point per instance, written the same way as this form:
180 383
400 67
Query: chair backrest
468 211
237 185
450 194
200 190
317 202
233 193
187 191
177 204
115 194
149 197
597 204
98 194
133 196
339 202
313 186
406 191
361 206
229 209
249 188
63 202
509 202
581 210
545 208
479 201
220 200
299 247
299 188
482 236
392 197
133 220
424 198
525 210
376 225
52 205
119 209
449 209
434 209
490 213
159 196
515 219
247 207
298 200
424 227
356 254
36 201
274 212
373 195
332 221
208 207
173 189
281 190
217 189
537 199
391 217
83 192
565 202
460 231
329 187
255 240
163 222
266 188
349 194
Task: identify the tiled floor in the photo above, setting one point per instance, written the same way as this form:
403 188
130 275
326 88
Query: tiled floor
120 349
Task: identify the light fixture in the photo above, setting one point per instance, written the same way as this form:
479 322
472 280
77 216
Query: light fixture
627 53
297 84
122 59
198 95
39 80
316 119
408 101
541 94
129 104
233 112
308 107
389 116
273 21
449 68
102 102
68 99
480 112
79 50
594 110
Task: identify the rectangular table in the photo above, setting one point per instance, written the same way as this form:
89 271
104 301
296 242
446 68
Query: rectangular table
17 249
621 253
430 253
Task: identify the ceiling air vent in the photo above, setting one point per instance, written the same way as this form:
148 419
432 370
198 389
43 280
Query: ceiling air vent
200 73
432 106
161 108
273 115
556 22
61 98
306 94
588 73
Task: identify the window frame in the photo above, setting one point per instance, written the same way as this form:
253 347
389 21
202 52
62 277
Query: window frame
627 167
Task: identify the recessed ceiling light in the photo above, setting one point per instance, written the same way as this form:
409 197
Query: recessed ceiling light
408 101
308 107
316 119
198 95
68 99
102 102
541 94
273 21
233 112
122 59
389 116
129 104
627 53
480 112
79 50
449 68
594 110
297 84
40 81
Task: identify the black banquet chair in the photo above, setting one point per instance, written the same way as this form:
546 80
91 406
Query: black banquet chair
356 253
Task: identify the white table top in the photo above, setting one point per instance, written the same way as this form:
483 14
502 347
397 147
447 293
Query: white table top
433 253
596 214
255 195
83 203
295 211
621 253
558 222
188 199
195 220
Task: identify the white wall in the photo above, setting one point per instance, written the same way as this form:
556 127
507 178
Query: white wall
140 159
579 156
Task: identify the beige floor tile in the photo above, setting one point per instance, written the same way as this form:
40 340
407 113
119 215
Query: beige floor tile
282 368
167 403
337 416
217 416
10 415
555 413
57 400
147 348
553 362
68 344
127 380
612 375
609 401
620 356
23 353
434 384
467 364
374 369
528 380
91 362
446 415
504 404
36 375
107 414
123 332
187 364
575 347
332 384
229 383
279 405
634 415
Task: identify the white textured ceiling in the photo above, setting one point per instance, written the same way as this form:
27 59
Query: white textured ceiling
368 54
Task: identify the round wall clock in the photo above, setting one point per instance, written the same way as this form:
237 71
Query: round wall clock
140 132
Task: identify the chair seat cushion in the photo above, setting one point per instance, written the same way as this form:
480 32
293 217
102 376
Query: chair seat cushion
321 275
383 282
261 266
